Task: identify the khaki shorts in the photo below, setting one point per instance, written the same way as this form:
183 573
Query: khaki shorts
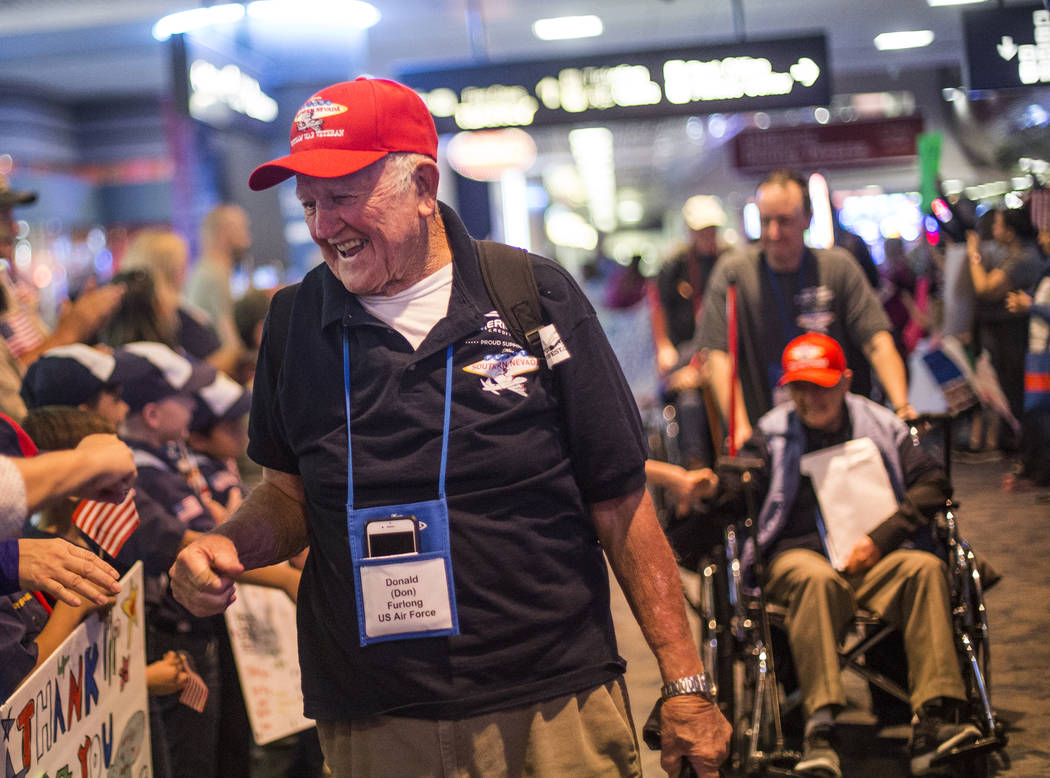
585 734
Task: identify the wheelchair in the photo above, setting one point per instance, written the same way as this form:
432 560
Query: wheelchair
747 656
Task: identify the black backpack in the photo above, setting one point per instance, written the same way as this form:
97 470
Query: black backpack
512 287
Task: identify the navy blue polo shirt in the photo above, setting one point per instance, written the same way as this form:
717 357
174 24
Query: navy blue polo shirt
523 463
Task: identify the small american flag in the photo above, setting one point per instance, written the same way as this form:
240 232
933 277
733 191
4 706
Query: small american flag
107 524
195 692
1040 208
20 332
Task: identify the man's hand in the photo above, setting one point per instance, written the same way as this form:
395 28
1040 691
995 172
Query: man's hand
906 412
666 358
862 557
693 728
694 486
203 574
1018 302
65 571
79 321
109 468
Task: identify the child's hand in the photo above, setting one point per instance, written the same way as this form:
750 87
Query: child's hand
167 675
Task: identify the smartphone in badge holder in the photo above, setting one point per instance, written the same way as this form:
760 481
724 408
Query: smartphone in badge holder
393 535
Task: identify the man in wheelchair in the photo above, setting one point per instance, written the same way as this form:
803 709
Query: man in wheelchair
890 571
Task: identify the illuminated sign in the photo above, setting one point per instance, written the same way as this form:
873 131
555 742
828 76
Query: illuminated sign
216 91
827 145
1007 47
219 89
761 74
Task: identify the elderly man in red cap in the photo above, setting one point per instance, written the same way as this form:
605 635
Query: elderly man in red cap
822 571
456 492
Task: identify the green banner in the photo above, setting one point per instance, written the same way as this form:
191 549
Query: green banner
929 149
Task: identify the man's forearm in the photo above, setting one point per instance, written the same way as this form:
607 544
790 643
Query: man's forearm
889 367
720 380
269 527
644 565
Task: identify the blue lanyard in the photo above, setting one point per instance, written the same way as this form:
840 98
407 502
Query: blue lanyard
789 323
444 433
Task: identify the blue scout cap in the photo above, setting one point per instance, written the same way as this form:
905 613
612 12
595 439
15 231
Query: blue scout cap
160 373
74 374
222 400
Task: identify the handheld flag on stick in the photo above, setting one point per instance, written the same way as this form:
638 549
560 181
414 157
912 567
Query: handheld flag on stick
107 524
733 350
195 693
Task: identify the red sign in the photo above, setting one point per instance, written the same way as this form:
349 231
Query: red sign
827 145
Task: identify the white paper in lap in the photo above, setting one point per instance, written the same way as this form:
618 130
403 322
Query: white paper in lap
854 492
263 634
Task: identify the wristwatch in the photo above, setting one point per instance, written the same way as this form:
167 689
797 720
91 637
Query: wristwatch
700 685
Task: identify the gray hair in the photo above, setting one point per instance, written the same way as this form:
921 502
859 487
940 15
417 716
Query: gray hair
401 165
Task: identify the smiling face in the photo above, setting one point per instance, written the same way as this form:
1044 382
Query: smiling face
819 407
372 225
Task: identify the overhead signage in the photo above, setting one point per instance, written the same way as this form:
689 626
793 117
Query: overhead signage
219 90
756 75
1007 47
827 145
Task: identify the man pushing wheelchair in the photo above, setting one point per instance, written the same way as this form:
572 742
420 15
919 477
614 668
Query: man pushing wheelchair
822 574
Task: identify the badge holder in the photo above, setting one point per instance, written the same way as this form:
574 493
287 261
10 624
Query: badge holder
404 596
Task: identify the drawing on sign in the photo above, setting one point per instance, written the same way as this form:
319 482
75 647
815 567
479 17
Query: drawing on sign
130 746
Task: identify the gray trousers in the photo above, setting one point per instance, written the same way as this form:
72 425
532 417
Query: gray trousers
906 588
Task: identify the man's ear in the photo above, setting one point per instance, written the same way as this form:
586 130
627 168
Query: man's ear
847 378
425 180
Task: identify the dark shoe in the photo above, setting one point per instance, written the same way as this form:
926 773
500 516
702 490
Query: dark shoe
932 738
819 756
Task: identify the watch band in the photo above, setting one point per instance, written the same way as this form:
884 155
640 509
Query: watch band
700 685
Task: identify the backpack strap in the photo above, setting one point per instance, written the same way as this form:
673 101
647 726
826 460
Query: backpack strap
512 287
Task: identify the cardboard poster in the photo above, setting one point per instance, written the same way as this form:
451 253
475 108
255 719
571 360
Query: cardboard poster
84 713
263 634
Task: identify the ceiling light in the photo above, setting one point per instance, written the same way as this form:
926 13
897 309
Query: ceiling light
354 13
935 3
566 27
906 39
196 18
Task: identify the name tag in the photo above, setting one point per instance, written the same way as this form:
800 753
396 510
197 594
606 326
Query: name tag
405 597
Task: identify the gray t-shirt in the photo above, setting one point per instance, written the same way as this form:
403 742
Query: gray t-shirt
828 293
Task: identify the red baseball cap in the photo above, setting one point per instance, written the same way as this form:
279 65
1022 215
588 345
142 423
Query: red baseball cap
348 126
815 358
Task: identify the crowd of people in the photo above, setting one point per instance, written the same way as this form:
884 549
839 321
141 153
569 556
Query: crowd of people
395 404
129 393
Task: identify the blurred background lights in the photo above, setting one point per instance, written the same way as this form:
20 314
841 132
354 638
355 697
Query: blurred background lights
567 27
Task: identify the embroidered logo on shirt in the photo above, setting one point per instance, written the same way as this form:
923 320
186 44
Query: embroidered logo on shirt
504 371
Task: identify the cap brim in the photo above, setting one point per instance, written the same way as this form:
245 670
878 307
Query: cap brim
822 376
317 163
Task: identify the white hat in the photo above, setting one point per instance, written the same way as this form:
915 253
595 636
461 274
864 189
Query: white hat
702 211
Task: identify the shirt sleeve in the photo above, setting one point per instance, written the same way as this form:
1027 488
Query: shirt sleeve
711 334
267 442
865 316
8 566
